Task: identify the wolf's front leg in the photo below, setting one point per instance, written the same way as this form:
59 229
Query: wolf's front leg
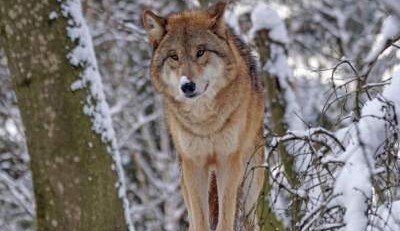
229 176
195 186
186 199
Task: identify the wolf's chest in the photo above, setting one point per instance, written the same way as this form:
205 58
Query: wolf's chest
224 142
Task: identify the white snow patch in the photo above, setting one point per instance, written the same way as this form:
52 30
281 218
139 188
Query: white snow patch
78 84
394 6
232 16
263 17
354 180
390 30
53 15
387 217
95 106
278 66
279 199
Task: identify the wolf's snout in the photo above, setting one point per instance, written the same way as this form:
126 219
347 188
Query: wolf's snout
189 89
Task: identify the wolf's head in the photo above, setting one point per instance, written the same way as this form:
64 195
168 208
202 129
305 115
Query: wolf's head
192 56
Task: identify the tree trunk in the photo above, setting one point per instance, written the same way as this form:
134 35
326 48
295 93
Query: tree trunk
276 106
74 184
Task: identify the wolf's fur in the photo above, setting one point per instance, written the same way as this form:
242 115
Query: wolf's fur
218 134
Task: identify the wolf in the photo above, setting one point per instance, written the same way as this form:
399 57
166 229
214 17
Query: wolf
214 109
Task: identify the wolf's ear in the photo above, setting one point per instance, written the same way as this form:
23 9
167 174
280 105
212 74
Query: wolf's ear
154 25
217 18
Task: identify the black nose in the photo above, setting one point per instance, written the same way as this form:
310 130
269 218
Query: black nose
188 88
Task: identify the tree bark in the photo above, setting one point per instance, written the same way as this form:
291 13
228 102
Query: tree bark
74 184
276 106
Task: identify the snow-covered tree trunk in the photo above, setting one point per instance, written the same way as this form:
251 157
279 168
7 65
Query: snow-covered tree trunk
270 37
74 181
278 126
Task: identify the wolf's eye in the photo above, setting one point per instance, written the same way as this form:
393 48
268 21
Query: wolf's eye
174 57
200 53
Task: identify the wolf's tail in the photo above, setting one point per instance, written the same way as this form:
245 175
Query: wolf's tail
213 201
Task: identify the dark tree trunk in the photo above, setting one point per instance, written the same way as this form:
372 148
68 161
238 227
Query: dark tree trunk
74 183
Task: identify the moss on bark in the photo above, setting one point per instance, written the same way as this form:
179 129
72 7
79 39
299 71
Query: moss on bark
276 106
74 183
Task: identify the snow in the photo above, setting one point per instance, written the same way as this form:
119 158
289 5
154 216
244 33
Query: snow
279 199
390 31
394 6
53 15
193 3
22 196
387 217
263 17
355 185
95 106
322 32
391 27
231 16
354 180
78 84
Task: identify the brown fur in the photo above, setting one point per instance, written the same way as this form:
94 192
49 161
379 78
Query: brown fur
217 135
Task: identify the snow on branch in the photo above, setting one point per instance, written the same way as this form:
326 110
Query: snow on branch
267 19
394 6
387 217
390 32
263 17
354 181
19 192
317 134
96 107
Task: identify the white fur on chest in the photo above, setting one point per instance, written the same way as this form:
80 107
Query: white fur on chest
200 109
200 148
